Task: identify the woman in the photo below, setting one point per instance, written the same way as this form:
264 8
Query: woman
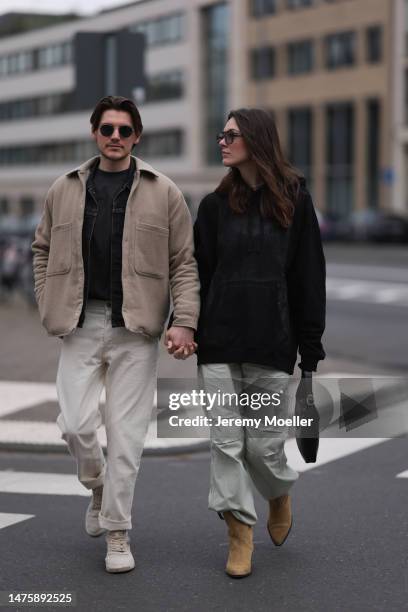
262 274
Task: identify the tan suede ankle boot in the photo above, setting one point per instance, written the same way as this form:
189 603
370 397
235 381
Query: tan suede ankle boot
240 547
280 519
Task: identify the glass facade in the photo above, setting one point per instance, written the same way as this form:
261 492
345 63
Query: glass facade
4 206
260 8
340 159
166 143
48 153
340 50
373 152
300 141
165 86
262 63
25 108
374 36
27 206
42 58
162 30
215 21
295 4
300 57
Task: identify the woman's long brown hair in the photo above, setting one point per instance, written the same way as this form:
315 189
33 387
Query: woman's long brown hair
282 180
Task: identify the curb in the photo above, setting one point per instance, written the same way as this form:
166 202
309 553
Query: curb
62 449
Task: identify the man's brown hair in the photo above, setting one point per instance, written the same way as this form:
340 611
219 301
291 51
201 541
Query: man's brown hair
120 104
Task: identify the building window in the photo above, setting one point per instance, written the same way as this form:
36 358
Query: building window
4 207
48 153
296 4
165 86
161 31
166 143
406 26
340 158
36 59
27 206
374 44
300 57
215 35
262 61
52 104
340 50
373 152
406 95
259 8
300 140
55 55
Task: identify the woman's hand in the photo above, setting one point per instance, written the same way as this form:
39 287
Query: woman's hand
179 342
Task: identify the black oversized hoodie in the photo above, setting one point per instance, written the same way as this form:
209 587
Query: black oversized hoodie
262 286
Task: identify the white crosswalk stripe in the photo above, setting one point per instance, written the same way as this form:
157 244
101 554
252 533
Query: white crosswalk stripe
7 518
367 291
34 483
330 449
37 483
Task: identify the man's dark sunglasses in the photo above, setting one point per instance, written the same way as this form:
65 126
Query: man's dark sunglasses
107 129
228 136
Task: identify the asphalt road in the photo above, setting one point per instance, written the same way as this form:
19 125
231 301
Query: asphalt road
346 552
359 327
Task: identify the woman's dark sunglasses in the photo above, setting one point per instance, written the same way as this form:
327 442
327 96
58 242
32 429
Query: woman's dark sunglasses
107 129
228 136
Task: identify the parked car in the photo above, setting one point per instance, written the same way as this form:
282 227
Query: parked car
368 226
378 226
327 228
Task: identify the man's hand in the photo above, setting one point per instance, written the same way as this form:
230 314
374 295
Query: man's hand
179 342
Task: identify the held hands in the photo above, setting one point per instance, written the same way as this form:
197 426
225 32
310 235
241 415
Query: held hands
179 342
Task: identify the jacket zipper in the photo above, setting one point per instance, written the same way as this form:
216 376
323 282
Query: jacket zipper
111 271
93 194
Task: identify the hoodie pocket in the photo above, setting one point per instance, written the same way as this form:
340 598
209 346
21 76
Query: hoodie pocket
151 250
249 314
60 255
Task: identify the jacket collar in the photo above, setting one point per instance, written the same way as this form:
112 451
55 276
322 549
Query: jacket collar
86 167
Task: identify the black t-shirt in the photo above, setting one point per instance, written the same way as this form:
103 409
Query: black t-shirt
107 186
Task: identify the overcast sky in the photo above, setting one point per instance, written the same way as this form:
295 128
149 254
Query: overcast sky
58 6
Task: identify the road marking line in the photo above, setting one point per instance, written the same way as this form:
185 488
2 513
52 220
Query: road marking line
37 483
41 433
15 396
18 395
367 291
349 292
7 519
330 449
392 294
402 474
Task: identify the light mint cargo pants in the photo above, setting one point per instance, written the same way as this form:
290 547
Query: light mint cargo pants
125 363
245 454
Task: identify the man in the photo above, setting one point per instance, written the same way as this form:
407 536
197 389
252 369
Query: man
114 237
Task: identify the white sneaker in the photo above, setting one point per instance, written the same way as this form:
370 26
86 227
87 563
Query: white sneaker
92 525
118 558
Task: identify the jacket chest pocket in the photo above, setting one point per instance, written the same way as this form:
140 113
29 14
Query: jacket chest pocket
60 255
150 250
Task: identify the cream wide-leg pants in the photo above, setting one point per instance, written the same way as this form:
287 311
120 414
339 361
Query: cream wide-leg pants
92 357
242 455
